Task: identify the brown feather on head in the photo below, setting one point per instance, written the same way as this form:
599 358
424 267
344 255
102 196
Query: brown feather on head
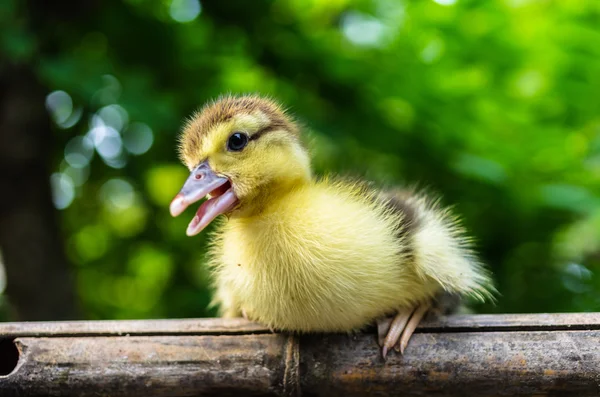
223 110
239 179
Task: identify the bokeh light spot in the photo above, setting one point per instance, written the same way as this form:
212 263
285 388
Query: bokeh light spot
569 197
114 116
78 175
109 93
107 141
362 29
63 190
127 222
116 162
480 168
445 2
529 83
151 264
79 152
117 193
138 138
185 10
576 277
163 182
432 51
91 242
398 112
60 106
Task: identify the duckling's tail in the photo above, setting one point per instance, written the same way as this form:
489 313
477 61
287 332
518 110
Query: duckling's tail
441 250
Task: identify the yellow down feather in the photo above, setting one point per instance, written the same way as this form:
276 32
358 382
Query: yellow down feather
304 254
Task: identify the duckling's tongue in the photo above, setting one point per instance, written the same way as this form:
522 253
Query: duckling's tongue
209 210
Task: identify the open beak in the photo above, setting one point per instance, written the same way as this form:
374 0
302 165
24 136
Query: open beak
204 182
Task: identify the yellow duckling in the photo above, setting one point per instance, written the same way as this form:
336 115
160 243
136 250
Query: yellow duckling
303 254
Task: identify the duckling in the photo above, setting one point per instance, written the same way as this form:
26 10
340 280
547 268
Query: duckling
305 254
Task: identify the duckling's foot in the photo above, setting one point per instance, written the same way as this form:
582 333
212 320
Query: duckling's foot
396 332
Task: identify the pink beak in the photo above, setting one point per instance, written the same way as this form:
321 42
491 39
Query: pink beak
204 182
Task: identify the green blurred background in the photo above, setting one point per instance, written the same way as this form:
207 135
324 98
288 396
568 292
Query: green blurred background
495 105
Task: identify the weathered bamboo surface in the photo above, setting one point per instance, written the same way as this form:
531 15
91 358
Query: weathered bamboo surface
481 355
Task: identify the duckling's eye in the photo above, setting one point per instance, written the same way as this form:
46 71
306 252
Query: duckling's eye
237 141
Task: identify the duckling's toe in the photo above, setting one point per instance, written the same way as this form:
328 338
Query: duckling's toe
383 326
395 333
395 328
415 319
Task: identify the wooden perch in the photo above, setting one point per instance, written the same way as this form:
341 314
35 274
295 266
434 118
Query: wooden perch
482 355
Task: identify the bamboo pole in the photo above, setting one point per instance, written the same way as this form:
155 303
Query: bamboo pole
483 355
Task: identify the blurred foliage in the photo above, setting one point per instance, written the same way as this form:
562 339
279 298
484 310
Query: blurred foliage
492 104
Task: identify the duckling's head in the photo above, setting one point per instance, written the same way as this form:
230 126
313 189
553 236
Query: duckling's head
242 152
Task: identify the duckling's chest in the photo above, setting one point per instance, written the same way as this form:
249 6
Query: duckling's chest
312 268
